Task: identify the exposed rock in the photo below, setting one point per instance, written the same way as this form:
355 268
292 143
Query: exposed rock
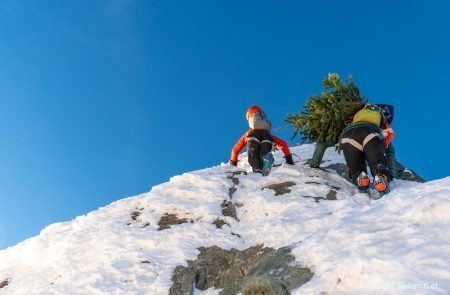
281 188
312 182
219 223
339 168
256 270
264 286
135 215
171 219
276 274
408 174
228 209
236 172
231 191
183 281
5 283
235 181
332 195
235 234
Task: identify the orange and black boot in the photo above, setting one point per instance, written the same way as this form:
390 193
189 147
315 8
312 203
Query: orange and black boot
363 182
381 184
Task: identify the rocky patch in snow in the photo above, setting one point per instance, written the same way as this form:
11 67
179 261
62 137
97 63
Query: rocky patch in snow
228 209
171 219
408 174
232 175
136 217
281 188
136 213
5 283
256 270
219 223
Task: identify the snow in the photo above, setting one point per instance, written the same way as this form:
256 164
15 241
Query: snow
396 245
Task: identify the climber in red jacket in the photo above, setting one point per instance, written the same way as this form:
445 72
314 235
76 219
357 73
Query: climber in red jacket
258 141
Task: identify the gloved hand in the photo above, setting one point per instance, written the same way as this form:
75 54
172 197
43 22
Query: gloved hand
233 163
388 132
389 135
289 160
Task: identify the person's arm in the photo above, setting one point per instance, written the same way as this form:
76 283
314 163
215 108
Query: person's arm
237 148
388 134
283 146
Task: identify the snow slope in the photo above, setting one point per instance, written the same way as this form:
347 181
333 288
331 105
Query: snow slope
396 245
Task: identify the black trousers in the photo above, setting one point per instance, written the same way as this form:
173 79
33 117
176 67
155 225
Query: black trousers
259 144
361 144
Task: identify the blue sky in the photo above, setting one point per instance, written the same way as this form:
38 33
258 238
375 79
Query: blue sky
101 100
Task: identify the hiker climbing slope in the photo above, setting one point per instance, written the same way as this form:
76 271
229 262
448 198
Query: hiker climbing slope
363 141
258 141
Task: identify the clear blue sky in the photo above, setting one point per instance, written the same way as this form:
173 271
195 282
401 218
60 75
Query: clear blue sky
103 99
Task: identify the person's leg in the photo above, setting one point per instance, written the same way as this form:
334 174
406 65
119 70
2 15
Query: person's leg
355 162
265 146
353 152
253 150
375 151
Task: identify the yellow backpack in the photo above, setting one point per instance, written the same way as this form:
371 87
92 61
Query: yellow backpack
368 115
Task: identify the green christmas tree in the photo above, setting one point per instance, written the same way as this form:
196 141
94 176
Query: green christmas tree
323 117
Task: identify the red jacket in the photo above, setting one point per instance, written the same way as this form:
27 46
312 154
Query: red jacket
388 134
242 142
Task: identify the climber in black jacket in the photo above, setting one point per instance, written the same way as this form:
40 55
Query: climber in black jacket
363 141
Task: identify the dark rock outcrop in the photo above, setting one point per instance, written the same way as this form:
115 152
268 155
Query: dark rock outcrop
276 274
135 215
228 209
219 223
256 270
171 219
235 180
5 283
281 188
331 195
408 174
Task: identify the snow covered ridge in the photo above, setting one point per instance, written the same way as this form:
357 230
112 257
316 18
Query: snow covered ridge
396 245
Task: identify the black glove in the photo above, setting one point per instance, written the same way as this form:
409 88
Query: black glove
233 163
289 160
